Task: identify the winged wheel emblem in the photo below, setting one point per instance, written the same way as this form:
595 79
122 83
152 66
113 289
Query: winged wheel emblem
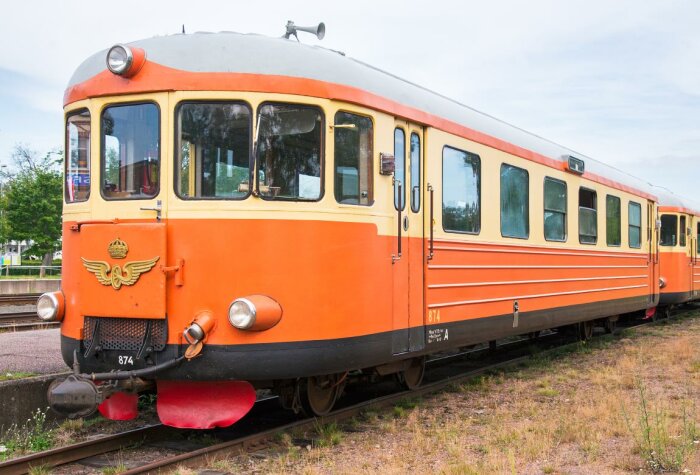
117 276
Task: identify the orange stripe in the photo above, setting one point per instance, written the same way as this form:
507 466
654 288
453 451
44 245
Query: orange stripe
678 209
155 77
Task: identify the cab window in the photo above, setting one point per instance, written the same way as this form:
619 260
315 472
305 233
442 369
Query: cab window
353 159
77 157
130 151
669 230
289 152
213 150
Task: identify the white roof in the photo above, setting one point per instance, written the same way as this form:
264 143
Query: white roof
249 53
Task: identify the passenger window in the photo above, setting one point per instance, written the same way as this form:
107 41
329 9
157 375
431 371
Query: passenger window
515 209
554 210
461 191
635 224
682 231
78 157
213 150
353 138
130 151
587 216
613 220
399 168
415 172
289 152
669 230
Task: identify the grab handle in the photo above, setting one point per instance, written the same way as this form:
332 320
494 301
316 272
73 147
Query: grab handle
430 249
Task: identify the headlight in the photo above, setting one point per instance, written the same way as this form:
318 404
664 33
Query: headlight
119 59
241 314
50 306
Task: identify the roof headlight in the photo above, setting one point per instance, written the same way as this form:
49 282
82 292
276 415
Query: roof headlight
119 59
49 307
241 313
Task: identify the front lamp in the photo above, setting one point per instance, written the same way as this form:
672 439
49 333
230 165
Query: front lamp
119 59
50 306
242 313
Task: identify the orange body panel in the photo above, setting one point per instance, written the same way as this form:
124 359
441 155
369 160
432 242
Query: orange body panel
679 273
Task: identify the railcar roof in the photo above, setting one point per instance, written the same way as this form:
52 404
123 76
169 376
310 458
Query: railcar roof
668 199
256 54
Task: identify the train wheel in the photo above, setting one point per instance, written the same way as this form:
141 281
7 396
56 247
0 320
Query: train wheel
610 324
667 312
318 394
585 330
412 376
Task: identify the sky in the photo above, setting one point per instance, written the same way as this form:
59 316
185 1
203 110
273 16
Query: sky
615 80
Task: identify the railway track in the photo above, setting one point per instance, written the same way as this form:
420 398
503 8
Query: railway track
23 320
255 432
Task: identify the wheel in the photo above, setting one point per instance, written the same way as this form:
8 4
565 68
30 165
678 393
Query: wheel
412 376
667 312
318 394
585 330
610 324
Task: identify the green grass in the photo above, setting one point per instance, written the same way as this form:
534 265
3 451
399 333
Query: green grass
328 435
9 376
32 436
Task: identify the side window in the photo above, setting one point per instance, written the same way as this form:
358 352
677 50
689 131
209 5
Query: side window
461 191
400 168
682 231
613 220
635 224
554 209
213 152
353 137
587 216
669 230
415 172
78 157
515 209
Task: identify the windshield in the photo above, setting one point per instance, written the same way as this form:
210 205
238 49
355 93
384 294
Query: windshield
130 151
289 152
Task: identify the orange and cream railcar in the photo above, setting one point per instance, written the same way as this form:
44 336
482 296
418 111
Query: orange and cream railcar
261 213
678 250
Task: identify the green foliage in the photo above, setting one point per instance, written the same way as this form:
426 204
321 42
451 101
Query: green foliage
33 201
328 435
33 436
653 432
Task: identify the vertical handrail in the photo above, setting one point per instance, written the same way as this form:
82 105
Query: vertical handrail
397 256
430 248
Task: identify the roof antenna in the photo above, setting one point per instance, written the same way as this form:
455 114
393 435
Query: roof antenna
319 31
183 28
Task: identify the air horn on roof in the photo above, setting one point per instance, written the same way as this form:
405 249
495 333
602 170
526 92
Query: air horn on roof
319 31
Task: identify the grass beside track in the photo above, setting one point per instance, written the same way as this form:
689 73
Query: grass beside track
620 404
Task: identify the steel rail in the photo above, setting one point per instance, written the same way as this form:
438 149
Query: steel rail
89 448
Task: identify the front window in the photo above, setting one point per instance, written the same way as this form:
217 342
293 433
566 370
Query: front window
289 145
669 230
78 157
130 151
213 150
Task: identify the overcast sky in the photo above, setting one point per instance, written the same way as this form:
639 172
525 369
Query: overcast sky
615 80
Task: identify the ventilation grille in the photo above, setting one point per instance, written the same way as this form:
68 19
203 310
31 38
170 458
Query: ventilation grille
128 334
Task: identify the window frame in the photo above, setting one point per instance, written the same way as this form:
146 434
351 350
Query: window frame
442 197
402 199
500 201
630 204
371 158
595 194
607 228
566 208
420 166
322 149
67 116
160 148
682 230
176 149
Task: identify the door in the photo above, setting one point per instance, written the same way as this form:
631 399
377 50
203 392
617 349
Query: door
694 259
408 258
652 260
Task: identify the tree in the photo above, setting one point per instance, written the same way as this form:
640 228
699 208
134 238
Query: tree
34 201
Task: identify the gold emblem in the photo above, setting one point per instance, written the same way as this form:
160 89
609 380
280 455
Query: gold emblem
117 249
118 277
